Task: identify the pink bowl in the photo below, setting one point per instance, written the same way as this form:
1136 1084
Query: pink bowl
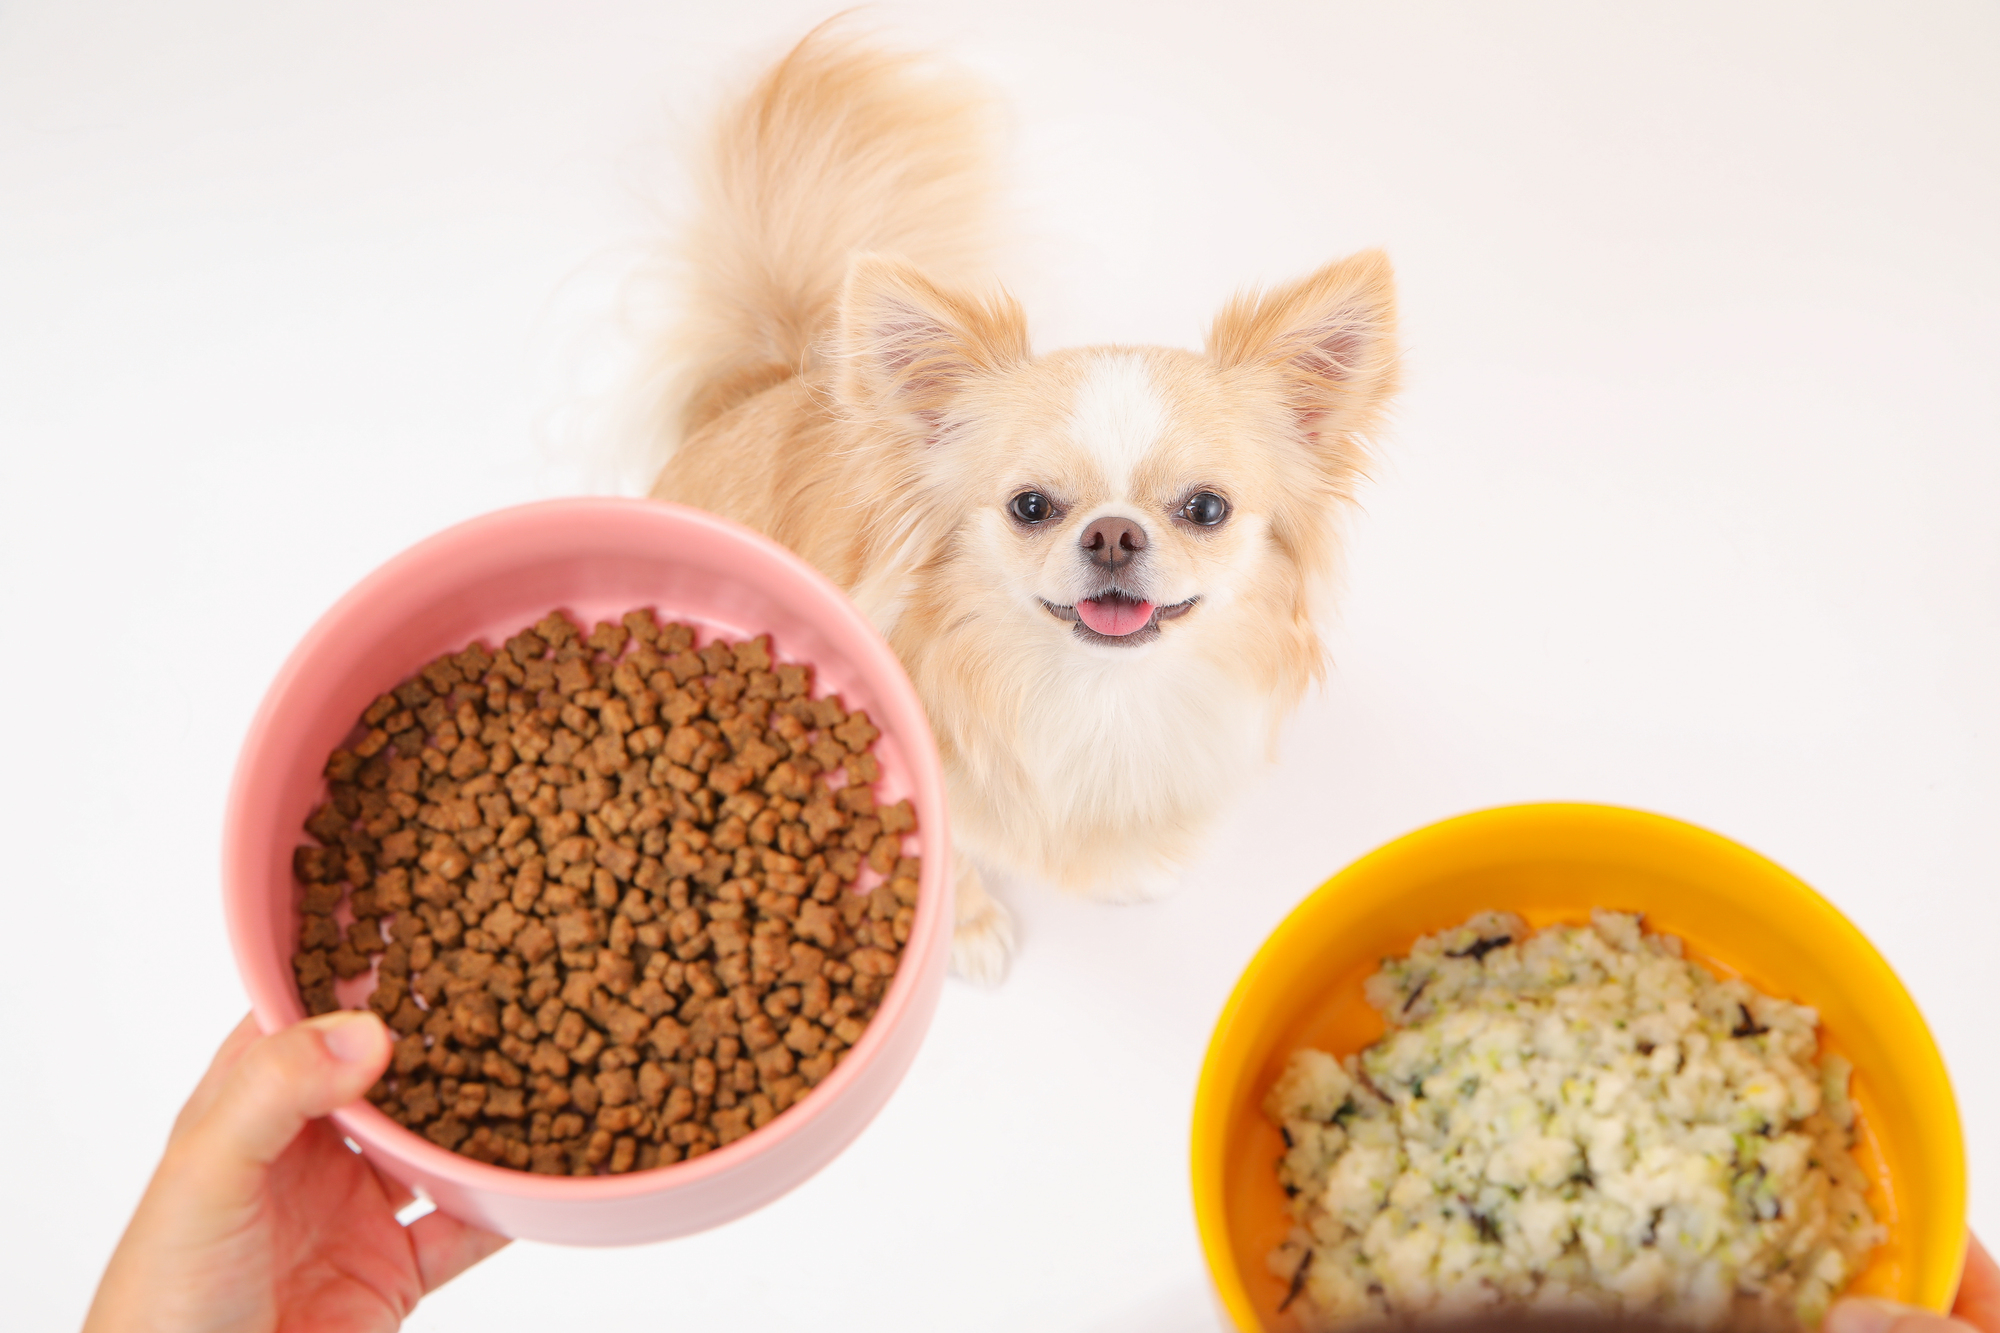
487 579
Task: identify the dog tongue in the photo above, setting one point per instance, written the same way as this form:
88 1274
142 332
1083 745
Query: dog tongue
1115 617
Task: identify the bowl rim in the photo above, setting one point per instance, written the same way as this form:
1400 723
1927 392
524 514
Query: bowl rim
874 660
1210 1120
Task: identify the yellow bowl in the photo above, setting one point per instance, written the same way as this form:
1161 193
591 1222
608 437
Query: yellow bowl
1737 913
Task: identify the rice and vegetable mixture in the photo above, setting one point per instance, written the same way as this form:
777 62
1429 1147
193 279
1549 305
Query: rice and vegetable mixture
1579 1117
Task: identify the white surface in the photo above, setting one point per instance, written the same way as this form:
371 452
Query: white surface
1690 505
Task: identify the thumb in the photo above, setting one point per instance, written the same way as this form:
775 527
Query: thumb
1978 1301
1869 1314
286 1079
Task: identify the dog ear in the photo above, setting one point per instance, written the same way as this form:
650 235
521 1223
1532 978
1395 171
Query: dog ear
1331 338
905 347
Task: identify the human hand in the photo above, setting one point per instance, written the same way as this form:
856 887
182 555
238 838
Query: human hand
1977 1309
259 1217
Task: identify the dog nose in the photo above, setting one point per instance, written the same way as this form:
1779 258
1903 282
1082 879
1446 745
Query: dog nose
1112 542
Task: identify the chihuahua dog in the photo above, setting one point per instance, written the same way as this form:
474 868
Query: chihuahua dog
1100 566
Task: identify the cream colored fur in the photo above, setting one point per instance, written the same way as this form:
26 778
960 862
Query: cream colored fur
848 402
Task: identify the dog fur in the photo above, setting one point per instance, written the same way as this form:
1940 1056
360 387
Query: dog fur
837 387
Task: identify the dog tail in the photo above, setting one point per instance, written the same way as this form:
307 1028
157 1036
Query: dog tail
841 148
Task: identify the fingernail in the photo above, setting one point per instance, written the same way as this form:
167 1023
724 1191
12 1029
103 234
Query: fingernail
351 1037
1865 1314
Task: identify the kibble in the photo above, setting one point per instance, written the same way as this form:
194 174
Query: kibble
608 886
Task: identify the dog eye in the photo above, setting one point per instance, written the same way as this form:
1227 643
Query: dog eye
1205 508
1032 507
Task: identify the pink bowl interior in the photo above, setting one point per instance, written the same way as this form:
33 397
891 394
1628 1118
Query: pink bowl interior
487 579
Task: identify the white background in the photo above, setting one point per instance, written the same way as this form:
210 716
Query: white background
1690 505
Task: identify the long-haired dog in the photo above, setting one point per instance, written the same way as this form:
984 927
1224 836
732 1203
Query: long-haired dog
1100 566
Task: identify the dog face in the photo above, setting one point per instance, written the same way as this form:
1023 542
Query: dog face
1132 506
1122 503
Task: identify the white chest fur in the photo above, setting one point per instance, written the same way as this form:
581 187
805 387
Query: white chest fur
1108 769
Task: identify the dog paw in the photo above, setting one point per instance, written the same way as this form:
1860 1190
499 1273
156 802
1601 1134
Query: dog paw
981 941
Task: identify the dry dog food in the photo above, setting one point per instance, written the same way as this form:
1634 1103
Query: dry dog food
608 896
1576 1118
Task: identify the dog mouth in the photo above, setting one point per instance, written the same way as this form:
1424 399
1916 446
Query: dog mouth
1117 617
